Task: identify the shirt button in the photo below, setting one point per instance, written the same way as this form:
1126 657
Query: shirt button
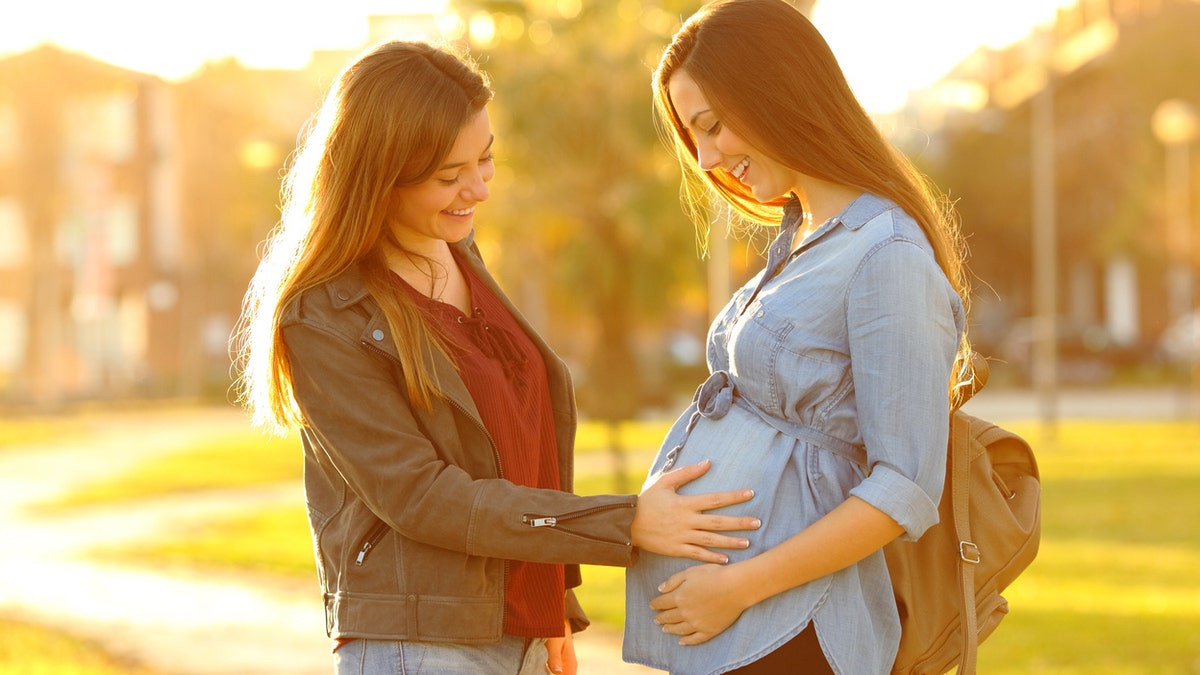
377 334
761 314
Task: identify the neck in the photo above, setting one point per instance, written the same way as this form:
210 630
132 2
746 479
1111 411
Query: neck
823 200
426 270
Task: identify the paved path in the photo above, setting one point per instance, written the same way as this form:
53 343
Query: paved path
176 621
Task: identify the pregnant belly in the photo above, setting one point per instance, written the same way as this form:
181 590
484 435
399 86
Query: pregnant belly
747 454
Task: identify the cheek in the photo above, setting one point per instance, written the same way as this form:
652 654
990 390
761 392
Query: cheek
729 144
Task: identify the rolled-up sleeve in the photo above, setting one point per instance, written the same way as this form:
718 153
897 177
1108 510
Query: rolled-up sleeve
904 322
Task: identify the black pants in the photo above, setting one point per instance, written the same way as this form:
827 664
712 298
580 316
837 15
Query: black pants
799 656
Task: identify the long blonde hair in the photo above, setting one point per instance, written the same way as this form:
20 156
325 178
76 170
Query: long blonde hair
771 78
389 120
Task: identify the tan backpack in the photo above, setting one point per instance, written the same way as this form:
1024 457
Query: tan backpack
948 583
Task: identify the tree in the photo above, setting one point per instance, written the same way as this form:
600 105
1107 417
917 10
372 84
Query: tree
591 225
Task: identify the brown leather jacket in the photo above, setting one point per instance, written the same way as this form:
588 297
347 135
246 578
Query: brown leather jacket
410 517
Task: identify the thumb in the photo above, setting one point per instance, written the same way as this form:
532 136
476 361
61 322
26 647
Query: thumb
685 474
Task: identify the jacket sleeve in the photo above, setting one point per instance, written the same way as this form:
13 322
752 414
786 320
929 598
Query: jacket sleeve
362 424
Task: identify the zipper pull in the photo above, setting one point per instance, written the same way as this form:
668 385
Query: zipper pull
547 521
362 554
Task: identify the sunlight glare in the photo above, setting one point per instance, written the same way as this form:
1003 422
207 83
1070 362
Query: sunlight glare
159 38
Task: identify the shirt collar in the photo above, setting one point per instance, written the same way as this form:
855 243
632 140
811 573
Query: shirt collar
861 210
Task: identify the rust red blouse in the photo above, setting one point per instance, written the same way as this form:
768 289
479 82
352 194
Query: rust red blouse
506 377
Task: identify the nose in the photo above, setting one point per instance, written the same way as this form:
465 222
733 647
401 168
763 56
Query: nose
476 188
708 156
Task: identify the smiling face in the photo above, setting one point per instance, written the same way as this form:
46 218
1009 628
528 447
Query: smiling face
442 207
718 148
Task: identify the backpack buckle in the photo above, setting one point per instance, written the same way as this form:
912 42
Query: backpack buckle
969 552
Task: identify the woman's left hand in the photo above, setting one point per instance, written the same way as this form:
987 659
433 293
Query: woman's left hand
699 602
560 654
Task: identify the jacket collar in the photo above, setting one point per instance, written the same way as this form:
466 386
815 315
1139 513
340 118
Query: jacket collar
348 289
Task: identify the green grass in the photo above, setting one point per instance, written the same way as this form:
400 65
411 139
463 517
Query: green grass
229 460
26 649
592 436
272 541
24 431
1116 585
1115 588
249 458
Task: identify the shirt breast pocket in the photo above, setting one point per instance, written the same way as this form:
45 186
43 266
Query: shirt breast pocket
784 365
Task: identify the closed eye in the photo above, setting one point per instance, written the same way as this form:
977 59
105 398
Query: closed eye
486 159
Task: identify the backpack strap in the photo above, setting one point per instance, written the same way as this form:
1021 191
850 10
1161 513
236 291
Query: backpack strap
968 552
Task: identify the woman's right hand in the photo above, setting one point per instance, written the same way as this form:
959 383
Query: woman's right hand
669 523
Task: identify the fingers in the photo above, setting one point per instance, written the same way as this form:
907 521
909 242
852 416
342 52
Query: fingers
554 656
673 582
710 540
715 500
671 620
727 523
693 639
701 554
570 664
684 474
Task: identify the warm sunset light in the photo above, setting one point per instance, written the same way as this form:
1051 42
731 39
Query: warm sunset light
173 39
887 48
172 174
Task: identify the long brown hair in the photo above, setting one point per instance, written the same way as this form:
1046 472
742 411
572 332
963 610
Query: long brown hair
771 78
389 120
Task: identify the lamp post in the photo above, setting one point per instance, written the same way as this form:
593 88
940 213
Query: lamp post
1045 255
1175 124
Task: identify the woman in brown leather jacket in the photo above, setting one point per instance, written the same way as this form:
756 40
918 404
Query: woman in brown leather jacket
437 425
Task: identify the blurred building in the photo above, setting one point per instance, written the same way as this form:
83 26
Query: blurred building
1099 71
90 236
131 214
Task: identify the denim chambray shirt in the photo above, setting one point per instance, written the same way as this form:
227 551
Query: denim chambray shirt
829 379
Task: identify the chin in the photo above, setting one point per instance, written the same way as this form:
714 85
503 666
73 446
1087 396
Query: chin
762 196
456 235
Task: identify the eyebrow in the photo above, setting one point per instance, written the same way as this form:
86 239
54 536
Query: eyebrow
455 165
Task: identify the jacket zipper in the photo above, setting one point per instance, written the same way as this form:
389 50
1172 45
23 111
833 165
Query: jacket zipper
375 534
556 522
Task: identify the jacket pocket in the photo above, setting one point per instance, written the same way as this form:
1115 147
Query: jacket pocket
374 536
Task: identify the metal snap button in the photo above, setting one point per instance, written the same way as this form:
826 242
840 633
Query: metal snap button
377 334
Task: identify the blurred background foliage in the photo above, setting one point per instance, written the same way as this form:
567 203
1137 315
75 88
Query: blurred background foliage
132 208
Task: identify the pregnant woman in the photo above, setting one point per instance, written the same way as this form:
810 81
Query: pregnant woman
831 369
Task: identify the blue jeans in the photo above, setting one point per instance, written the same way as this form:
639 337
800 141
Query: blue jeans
510 656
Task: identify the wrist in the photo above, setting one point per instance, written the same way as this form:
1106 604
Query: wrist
757 581
744 577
